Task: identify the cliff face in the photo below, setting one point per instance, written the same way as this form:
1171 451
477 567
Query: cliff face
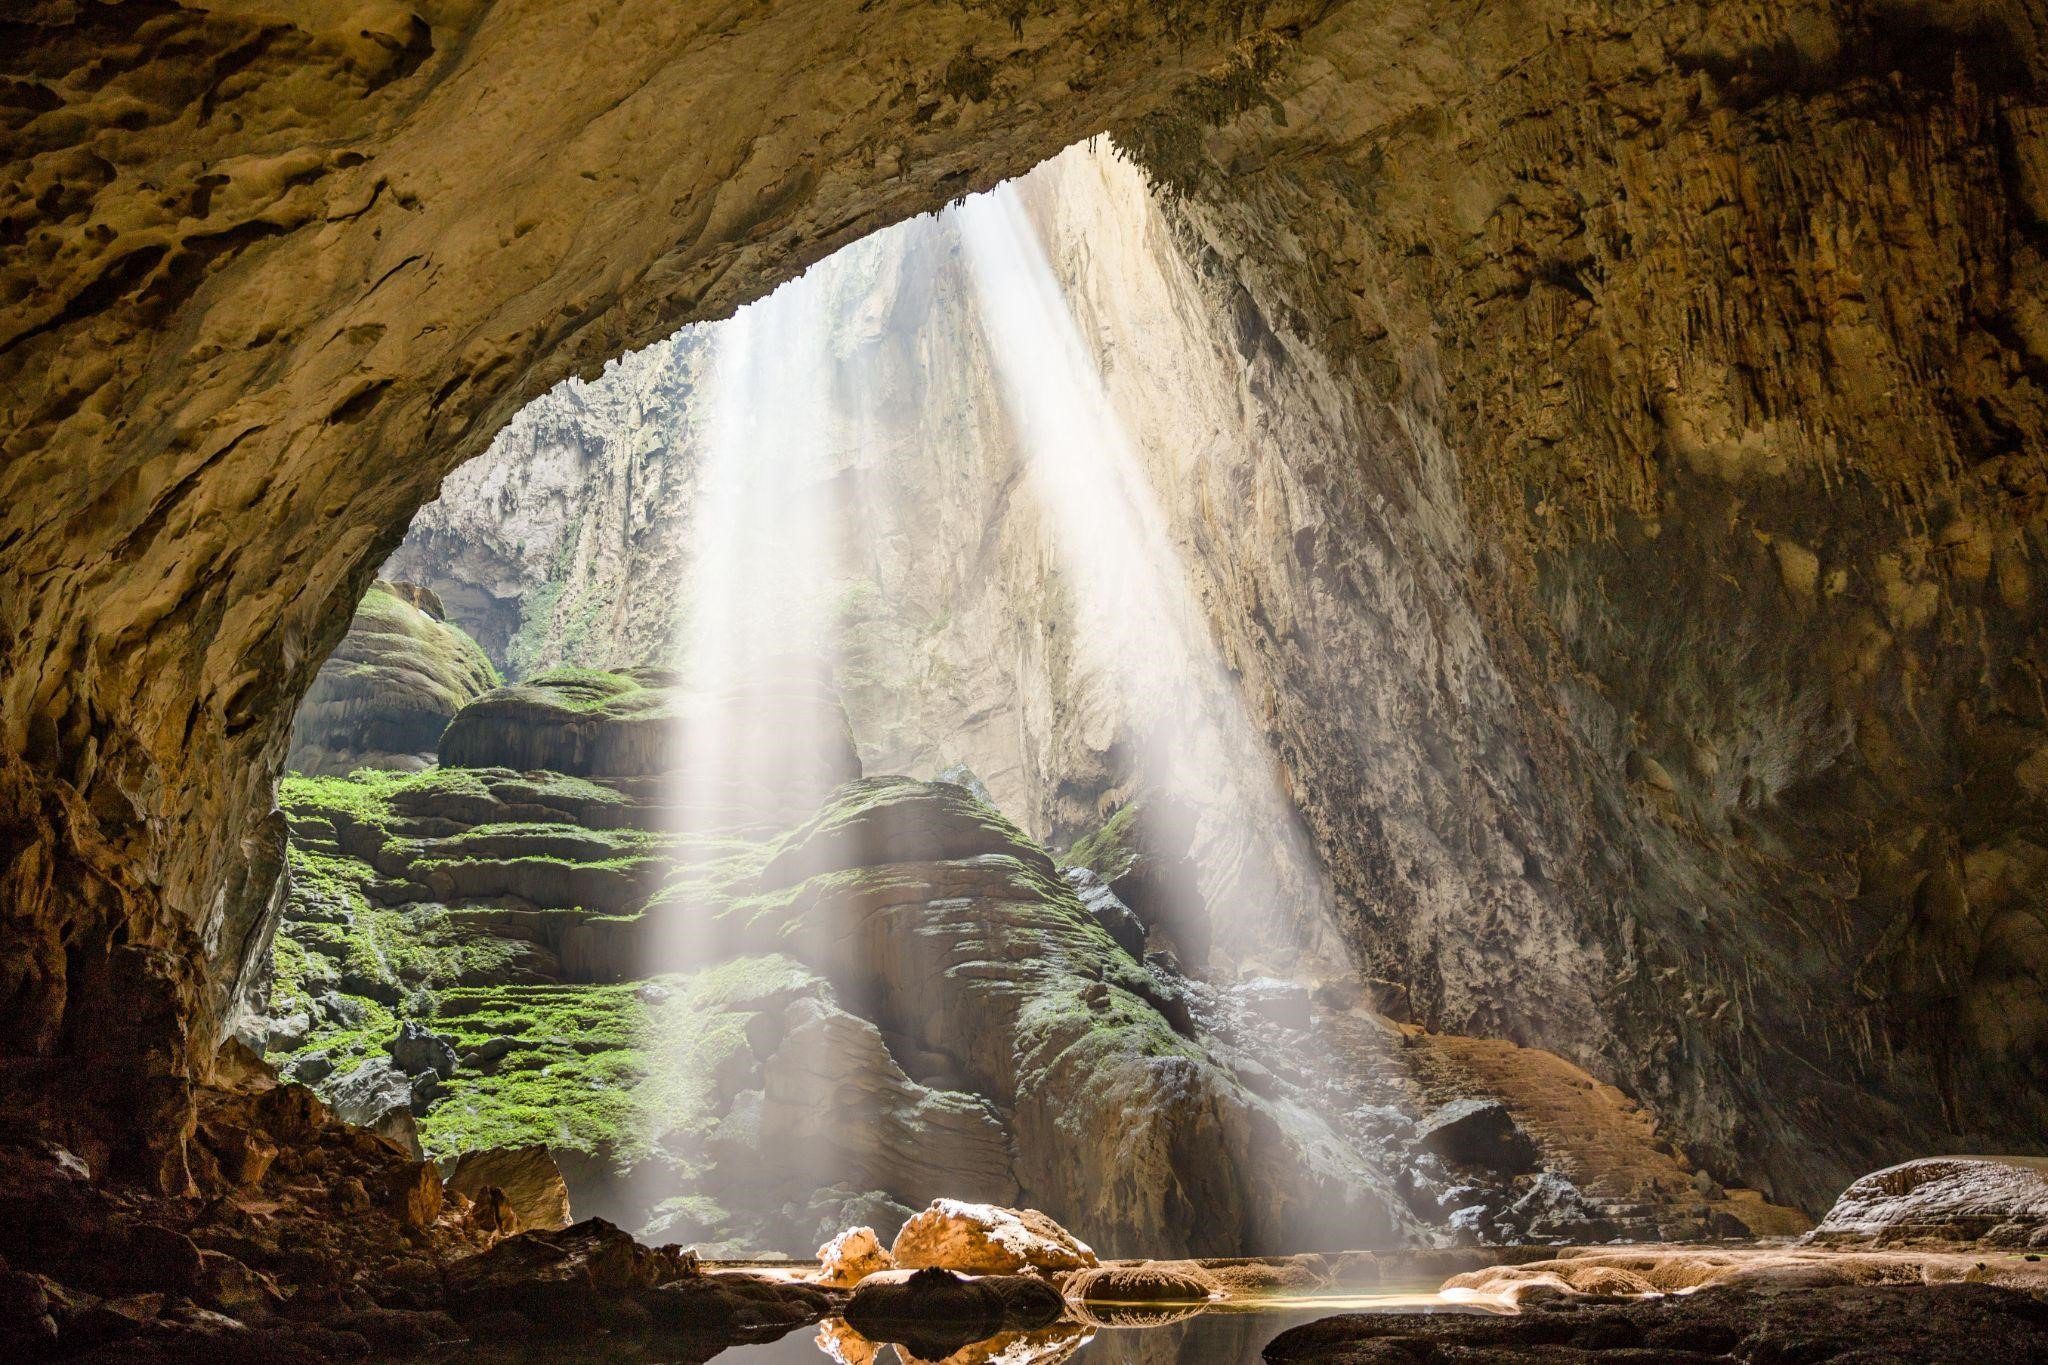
1646 615
1711 336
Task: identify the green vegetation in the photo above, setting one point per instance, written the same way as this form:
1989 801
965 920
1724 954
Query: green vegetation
572 1081
1110 852
648 1070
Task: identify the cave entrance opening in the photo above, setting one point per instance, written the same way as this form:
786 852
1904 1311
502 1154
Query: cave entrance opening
837 796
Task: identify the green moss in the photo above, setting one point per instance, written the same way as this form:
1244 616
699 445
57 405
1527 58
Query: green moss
573 1080
1110 852
363 795
613 1069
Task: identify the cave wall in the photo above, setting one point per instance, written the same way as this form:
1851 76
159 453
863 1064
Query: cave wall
272 271
1718 325
1691 355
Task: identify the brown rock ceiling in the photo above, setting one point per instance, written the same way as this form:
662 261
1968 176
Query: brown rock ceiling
1718 328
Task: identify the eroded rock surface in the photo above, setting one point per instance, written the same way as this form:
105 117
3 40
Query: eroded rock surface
981 1239
484 958
390 688
1637 575
2002 1202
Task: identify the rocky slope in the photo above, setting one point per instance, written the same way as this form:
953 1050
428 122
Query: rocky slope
488 957
390 688
752 1033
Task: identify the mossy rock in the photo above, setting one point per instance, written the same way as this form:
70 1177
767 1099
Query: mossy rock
390 688
643 723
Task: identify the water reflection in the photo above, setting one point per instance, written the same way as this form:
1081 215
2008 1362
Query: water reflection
1219 1334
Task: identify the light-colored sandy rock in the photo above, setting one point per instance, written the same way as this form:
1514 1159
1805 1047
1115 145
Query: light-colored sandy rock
983 1239
1999 1200
851 1257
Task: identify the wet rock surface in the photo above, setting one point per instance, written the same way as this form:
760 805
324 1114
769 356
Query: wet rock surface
1942 1323
304 1238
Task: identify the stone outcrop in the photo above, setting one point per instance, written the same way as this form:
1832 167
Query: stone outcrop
2002 1202
981 1239
304 1238
851 1257
390 688
483 958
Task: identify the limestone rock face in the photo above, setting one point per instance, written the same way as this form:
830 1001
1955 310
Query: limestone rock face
528 1177
2000 1201
346 297
390 688
981 1239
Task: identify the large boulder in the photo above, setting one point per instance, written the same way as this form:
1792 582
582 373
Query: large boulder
417 1050
2002 1201
390 688
983 1239
377 1096
1479 1133
527 1176
851 1257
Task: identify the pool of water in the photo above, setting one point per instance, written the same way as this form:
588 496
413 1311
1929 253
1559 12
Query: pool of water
1222 1334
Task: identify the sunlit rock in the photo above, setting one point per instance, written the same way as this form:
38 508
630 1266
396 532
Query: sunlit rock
528 1177
982 1239
390 688
851 1257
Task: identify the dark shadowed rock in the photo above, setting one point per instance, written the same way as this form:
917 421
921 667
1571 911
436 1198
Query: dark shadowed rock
1968 1324
1476 1132
1111 913
531 1181
416 1050
935 1312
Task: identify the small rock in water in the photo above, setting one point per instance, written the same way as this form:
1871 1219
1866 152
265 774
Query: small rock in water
851 1257
935 1312
984 1239
1139 1284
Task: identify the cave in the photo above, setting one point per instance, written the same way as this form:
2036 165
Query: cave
1210 680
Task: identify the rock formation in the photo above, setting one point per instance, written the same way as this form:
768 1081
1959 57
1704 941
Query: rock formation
1999 1202
390 688
1636 576
477 957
